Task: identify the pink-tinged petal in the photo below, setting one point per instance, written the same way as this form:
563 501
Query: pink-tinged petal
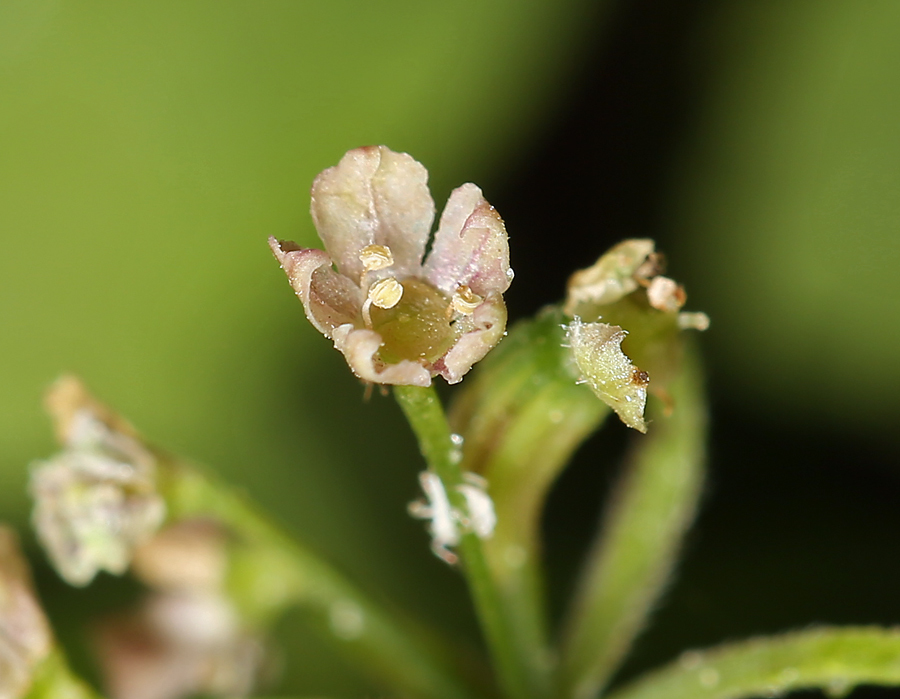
329 298
374 196
360 348
470 246
482 331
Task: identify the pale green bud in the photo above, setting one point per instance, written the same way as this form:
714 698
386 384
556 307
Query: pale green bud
597 348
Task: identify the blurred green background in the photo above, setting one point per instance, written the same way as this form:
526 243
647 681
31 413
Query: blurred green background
148 149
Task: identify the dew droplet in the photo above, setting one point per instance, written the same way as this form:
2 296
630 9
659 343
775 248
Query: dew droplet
457 439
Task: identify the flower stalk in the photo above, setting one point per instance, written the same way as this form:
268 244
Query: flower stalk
423 410
639 540
523 417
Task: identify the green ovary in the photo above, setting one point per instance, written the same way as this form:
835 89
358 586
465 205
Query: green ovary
418 328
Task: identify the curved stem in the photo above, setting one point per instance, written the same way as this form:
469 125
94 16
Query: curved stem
833 659
271 571
638 544
523 415
429 423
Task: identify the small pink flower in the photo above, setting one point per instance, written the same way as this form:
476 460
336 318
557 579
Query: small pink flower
395 319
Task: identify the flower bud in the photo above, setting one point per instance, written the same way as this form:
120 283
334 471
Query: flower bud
189 555
636 348
179 644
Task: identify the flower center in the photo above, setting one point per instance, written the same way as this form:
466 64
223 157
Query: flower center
417 327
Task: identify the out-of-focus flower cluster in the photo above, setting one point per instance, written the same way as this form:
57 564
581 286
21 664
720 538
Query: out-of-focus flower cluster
97 507
186 637
96 500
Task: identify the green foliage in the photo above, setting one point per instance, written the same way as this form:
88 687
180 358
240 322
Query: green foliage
833 659
148 150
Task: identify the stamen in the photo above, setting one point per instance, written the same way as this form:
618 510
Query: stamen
465 300
386 293
375 257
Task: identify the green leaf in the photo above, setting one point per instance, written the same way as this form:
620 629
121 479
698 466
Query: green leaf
833 659
639 541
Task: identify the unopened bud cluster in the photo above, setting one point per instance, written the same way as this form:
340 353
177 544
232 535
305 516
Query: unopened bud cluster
625 289
96 500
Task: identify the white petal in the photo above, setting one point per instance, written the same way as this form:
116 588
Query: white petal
485 329
611 277
444 531
360 348
666 294
482 518
374 196
470 247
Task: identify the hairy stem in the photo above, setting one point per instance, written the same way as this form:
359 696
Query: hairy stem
428 421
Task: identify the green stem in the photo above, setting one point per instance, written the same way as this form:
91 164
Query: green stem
271 571
426 416
833 659
523 415
638 543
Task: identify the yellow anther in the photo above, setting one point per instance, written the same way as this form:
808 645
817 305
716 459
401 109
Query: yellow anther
375 257
465 301
386 293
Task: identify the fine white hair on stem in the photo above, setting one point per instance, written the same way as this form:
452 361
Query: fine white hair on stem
449 523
